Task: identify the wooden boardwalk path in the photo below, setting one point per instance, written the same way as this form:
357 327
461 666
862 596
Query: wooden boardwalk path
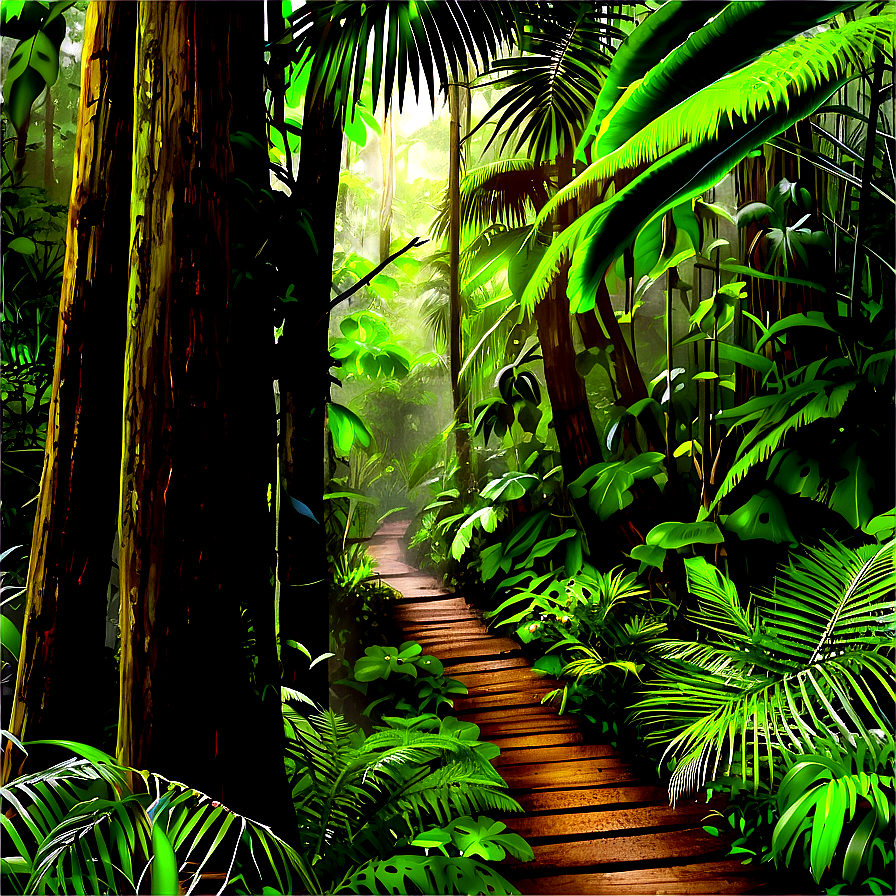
594 824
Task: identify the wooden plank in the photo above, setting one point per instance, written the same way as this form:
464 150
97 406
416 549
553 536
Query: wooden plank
441 626
555 776
571 825
513 662
491 729
508 713
646 882
452 637
492 647
657 847
538 740
433 607
565 753
417 615
579 798
519 673
484 701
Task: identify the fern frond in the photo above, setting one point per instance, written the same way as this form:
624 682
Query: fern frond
819 407
818 663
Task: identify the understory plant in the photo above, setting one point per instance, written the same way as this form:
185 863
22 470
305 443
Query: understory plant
88 825
794 684
404 679
370 808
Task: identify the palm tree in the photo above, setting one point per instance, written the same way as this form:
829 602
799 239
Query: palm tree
332 38
549 93
812 659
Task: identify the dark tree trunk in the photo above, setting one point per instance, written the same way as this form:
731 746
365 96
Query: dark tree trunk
185 694
63 679
573 425
252 404
466 481
304 388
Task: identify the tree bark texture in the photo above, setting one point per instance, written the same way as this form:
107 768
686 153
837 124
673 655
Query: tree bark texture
183 687
466 480
62 675
252 405
387 150
573 425
305 389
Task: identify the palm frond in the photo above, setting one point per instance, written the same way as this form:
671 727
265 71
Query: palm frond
407 37
818 663
646 46
746 30
812 403
552 88
692 146
507 192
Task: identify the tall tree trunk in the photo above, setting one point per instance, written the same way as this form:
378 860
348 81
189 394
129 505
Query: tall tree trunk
573 425
49 167
387 148
252 399
455 326
61 676
304 389
180 527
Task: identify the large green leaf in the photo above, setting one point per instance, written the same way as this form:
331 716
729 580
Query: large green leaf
680 535
745 29
647 45
693 145
347 428
851 497
762 516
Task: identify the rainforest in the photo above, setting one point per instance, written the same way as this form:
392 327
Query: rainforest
448 447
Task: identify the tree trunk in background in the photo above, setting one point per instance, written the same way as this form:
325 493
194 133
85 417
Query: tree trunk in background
252 402
573 425
60 689
304 390
387 147
49 168
185 694
466 481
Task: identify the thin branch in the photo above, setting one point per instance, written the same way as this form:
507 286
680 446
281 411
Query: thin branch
413 244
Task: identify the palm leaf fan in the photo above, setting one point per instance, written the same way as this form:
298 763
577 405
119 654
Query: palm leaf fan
550 89
817 662
745 29
506 192
407 37
691 147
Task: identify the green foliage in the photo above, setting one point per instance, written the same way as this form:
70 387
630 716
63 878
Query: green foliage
837 801
89 825
364 800
417 681
366 348
689 147
34 63
810 659
406 38
549 91
611 482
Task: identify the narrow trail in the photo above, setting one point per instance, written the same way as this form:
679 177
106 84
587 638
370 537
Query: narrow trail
595 825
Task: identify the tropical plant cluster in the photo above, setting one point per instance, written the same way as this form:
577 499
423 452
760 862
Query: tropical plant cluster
608 324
